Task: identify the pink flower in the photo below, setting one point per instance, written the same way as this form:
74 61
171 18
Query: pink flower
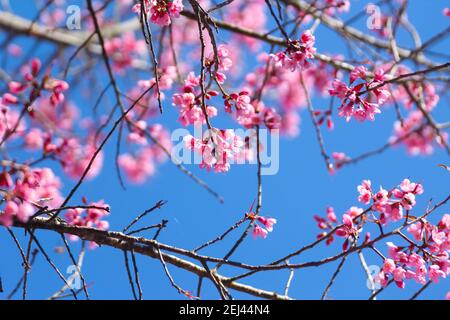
354 212
446 13
381 197
137 168
348 228
399 274
365 192
161 11
16 87
347 220
218 149
91 217
339 89
296 55
392 250
381 278
389 266
434 272
34 139
445 222
358 73
438 237
267 222
5 179
353 105
10 210
190 104
420 141
410 187
331 215
417 230
123 50
340 159
24 212
259 232
8 98
394 212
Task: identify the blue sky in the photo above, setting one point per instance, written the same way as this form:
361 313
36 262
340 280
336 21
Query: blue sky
301 189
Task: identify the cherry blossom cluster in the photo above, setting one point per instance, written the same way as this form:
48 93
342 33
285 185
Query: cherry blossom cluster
348 228
73 153
389 204
340 159
267 226
333 6
353 104
425 258
417 137
250 15
250 114
297 53
90 217
140 165
189 102
415 261
218 149
27 190
124 50
161 12
35 86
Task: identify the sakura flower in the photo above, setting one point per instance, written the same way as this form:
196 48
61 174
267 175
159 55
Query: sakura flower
336 5
435 273
259 232
389 266
353 104
417 141
365 192
394 212
190 103
348 229
417 230
399 274
90 217
267 222
123 50
445 222
161 11
331 215
358 72
218 149
340 159
296 55
24 212
354 212
10 210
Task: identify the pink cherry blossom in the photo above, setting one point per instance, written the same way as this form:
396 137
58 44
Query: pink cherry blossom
389 266
90 217
267 222
365 192
296 55
161 12
259 232
435 273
